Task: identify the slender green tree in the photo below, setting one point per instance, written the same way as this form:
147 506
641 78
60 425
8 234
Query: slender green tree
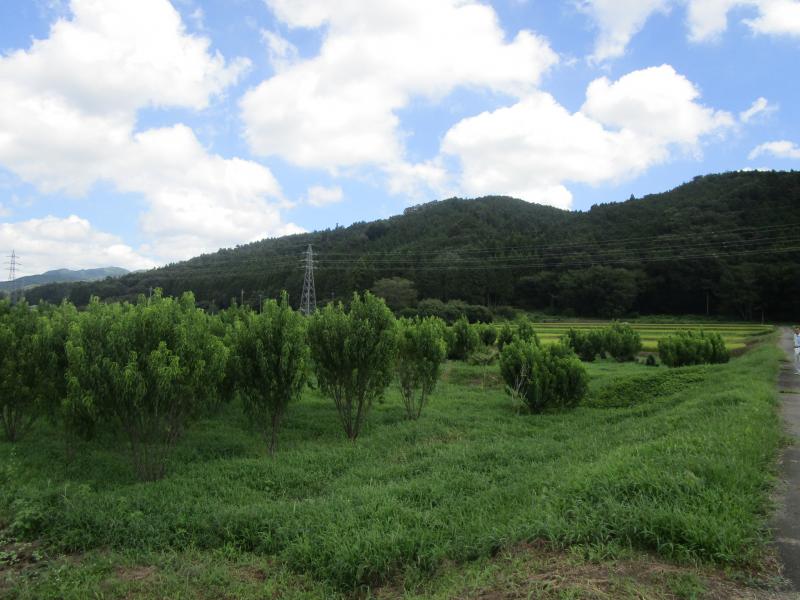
270 361
421 349
353 352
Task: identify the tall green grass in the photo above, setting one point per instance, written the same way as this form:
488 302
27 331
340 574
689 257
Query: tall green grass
680 463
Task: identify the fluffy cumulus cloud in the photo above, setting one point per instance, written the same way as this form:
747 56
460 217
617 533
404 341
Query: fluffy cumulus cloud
657 104
338 109
779 149
72 242
69 114
535 147
618 21
777 17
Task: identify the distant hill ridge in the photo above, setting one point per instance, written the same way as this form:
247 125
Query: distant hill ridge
727 244
61 276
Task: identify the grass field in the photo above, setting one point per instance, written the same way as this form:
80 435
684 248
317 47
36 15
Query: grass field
736 336
674 466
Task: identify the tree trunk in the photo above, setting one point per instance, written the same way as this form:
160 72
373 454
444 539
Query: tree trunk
273 442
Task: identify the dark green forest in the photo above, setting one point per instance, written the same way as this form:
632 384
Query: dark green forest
724 245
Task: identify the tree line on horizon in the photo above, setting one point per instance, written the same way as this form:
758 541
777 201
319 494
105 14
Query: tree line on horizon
724 245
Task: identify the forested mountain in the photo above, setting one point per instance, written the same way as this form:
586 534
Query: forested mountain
62 275
728 243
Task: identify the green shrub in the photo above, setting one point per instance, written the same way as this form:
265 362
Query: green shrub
586 344
269 362
421 349
463 340
693 348
550 377
621 341
147 368
526 332
505 336
28 372
353 353
488 335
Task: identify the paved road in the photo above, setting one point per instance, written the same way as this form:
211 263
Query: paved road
787 520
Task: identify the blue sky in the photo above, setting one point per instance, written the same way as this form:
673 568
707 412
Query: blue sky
136 133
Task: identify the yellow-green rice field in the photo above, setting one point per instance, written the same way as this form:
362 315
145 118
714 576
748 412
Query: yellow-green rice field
736 335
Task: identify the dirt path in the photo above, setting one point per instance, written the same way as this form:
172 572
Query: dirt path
787 520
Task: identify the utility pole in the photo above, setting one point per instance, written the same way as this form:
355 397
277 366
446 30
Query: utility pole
12 273
242 302
308 301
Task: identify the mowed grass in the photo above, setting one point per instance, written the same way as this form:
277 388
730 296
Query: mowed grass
675 462
736 335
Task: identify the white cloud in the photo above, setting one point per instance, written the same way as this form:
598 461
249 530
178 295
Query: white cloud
339 109
535 147
777 17
618 21
69 114
52 242
117 56
318 195
760 106
708 19
779 149
657 103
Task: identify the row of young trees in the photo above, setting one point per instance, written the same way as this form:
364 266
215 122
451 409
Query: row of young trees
147 369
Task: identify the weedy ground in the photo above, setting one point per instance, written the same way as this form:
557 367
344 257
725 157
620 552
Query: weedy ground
658 487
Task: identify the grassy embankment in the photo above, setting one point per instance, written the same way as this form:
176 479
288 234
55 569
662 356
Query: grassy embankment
675 464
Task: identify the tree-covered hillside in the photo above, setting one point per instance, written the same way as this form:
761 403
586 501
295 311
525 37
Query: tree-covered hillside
728 243
61 275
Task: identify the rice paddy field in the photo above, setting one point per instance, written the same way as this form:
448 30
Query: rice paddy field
736 335
658 486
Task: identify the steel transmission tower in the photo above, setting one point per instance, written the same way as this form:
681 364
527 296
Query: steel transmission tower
12 273
308 301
